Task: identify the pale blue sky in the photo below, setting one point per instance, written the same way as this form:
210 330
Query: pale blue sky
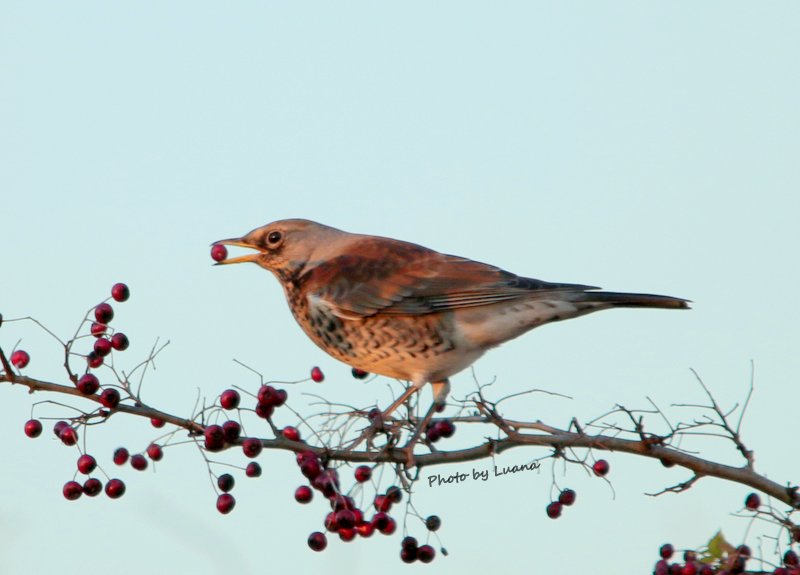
639 146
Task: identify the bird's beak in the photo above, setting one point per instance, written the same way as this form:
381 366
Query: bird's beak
240 259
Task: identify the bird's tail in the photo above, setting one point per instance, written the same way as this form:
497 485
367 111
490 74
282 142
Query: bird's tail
616 299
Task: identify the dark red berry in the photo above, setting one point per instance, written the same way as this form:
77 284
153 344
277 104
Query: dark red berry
662 568
121 456
86 464
426 553
98 329
409 542
225 482
253 469
120 292
365 529
109 397
395 494
345 518
359 373
94 360
744 551
380 520
68 436
666 551
92 487
225 503
363 473
554 510
408 555
432 434
317 541
214 437
567 497
689 556
72 490
291 433
103 313
102 346
790 559
115 488
690 568
156 422
390 527
316 375
20 358
33 428
303 494
219 252
753 501
346 533
119 341
382 503
251 447
433 523
155 452
600 467
446 428
232 430
229 399
138 462
88 384
281 396
311 468
59 427
264 411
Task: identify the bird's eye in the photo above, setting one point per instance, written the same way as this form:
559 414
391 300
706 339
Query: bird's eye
274 238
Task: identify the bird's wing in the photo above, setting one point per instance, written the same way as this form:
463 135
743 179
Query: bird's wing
391 277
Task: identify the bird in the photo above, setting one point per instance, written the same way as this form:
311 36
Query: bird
408 312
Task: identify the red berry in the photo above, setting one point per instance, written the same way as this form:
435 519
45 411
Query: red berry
554 510
690 568
345 519
33 428
109 398
88 384
433 523
225 482
311 468
753 501
280 397
363 473
689 556
92 487
219 252
98 329
389 528
317 541
408 555
72 490
229 399
359 373
119 341
303 494
380 520
264 411
426 553
68 436
214 437
232 430
567 497
251 447
156 422
94 360
316 375
291 433
253 469
138 462
409 542
347 533
382 503
662 568
20 358
365 529
115 488
86 464
225 503
155 452
600 467
666 551
432 434
102 346
59 427
120 456
103 313
120 292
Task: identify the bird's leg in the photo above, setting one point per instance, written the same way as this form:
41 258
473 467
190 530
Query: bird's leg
440 391
413 388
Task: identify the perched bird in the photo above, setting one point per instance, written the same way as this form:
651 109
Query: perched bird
405 311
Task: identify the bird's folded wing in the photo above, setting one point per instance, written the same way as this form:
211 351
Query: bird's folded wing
404 279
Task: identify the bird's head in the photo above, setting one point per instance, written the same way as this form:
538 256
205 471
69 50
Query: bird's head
284 247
